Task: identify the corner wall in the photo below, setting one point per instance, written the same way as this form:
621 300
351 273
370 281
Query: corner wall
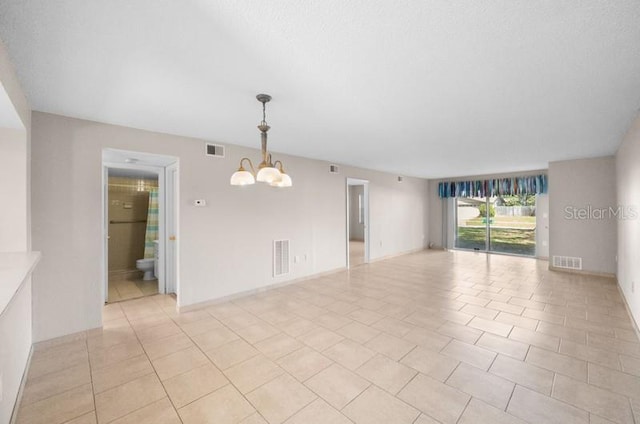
628 196
577 187
226 247
16 318
14 233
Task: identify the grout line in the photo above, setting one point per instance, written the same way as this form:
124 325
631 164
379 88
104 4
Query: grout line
464 409
510 397
454 370
155 371
230 382
553 384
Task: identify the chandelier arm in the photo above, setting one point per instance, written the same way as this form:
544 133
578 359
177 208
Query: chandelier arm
250 164
280 168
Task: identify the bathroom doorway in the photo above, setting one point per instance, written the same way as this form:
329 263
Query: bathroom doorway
140 209
357 222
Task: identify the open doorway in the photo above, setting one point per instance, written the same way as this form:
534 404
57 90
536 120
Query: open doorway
132 215
357 222
140 224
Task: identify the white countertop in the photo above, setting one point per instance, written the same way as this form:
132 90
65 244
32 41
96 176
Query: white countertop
14 269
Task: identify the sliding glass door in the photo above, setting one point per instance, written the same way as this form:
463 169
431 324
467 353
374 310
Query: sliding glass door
471 226
504 224
513 227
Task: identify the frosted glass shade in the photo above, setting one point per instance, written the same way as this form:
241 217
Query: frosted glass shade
285 181
240 178
268 175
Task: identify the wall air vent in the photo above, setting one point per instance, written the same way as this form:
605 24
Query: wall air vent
280 257
567 262
334 169
215 150
400 178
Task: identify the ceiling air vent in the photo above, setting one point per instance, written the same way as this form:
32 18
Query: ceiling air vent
215 150
280 257
567 262
333 169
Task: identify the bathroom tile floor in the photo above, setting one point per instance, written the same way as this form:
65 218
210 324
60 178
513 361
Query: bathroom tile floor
449 337
120 290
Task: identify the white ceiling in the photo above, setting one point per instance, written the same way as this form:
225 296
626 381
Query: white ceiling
424 88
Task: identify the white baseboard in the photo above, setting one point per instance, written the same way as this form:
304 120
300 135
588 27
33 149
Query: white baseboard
582 272
211 302
636 327
395 255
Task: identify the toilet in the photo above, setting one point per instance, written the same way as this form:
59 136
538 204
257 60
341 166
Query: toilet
147 266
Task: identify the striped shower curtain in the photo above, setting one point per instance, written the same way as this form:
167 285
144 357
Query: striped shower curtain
152 225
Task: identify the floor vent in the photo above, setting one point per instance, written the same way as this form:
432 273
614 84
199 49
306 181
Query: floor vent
567 262
215 150
280 257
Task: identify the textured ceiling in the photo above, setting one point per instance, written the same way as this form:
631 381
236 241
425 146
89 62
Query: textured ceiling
424 88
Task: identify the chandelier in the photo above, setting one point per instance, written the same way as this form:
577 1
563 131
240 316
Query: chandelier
268 172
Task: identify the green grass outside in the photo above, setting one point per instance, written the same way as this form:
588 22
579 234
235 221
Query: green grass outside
506 240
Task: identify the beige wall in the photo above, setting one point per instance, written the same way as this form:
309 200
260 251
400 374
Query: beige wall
14 165
580 184
225 247
13 190
11 85
628 197
128 208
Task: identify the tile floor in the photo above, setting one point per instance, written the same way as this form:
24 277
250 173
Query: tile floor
122 289
356 253
448 337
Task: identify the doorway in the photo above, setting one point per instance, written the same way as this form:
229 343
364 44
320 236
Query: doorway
132 214
357 222
139 224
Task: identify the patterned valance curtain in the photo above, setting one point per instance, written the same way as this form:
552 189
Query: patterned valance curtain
534 184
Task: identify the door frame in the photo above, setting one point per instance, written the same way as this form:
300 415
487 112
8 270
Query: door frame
172 264
160 170
365 199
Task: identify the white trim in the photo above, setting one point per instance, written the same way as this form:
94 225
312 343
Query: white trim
162 245
172 221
